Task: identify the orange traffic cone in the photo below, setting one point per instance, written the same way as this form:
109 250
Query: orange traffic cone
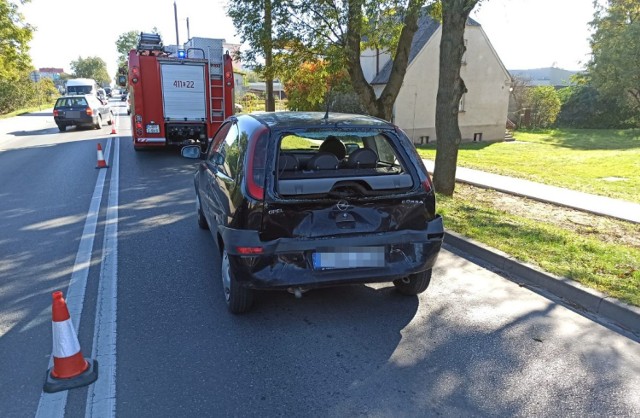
113 127
101 162
70 369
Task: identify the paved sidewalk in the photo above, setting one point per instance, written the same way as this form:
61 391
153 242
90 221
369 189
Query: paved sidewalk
601 205
596 303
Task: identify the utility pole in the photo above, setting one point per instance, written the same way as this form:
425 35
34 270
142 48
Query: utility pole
175 13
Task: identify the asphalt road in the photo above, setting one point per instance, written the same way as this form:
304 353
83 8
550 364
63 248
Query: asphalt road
146 289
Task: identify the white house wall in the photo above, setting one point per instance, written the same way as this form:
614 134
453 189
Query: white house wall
368 62
485 103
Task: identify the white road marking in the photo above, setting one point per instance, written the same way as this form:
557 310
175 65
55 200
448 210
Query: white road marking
101 397
53 404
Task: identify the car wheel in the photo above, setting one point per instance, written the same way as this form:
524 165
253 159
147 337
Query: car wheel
110 121
98 123
239 299
62 128
128 112
413 284
202 221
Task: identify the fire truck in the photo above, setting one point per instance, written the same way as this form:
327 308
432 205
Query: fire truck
178 96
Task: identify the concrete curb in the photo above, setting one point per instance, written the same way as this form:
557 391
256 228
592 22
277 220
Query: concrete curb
620 313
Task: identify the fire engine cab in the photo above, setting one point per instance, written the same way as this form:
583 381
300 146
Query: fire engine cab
178 97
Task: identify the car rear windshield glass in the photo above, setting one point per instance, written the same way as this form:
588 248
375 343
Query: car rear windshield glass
352 150
78 89
328 159
71 101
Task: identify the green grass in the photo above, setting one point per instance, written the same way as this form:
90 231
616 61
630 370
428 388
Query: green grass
609 267
603 162
19 112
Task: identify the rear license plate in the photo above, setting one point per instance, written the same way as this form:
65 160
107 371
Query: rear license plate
153 129
72 114
348 257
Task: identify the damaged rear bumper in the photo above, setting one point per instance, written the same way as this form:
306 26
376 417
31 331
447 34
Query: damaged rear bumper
365 258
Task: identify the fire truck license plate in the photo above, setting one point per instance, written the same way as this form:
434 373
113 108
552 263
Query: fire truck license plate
153 129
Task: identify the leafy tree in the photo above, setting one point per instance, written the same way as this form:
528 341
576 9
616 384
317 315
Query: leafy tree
91 67
451 87
15 61
583 107
519 87
615 64
254 20
125 43
303 32
15 35
542 106
382 106
308 87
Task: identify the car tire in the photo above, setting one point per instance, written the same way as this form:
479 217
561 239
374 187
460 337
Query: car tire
239 298
202 221
128 112
98 123
413 284
62 128
110 121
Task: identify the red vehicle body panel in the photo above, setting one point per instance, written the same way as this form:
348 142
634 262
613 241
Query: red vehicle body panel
146 98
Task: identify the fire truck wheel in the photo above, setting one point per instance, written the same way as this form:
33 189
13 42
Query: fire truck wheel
98 124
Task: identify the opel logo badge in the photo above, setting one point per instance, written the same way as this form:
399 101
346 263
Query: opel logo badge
342 205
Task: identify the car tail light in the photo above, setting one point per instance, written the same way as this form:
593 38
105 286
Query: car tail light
426 185
256 160
89 111
249 250
55 112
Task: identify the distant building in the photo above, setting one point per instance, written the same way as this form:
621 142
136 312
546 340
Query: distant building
52 73
259 88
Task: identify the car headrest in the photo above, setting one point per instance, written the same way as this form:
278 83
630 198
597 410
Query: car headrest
363 158
287 162
323 161
333 145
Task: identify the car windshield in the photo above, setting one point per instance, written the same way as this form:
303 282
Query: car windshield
71 101
312 141
78 89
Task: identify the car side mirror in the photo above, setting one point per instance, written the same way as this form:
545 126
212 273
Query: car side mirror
191 151
122 80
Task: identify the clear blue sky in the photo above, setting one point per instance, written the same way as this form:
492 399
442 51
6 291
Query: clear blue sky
525 33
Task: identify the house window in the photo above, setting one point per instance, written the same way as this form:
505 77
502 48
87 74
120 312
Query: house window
461 106
464 54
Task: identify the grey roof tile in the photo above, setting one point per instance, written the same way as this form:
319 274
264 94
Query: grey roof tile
427 26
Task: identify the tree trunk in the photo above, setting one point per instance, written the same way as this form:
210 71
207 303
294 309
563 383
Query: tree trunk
381 107
269 102
450 90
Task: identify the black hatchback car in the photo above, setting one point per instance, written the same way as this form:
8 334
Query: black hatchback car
299 200
81 110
